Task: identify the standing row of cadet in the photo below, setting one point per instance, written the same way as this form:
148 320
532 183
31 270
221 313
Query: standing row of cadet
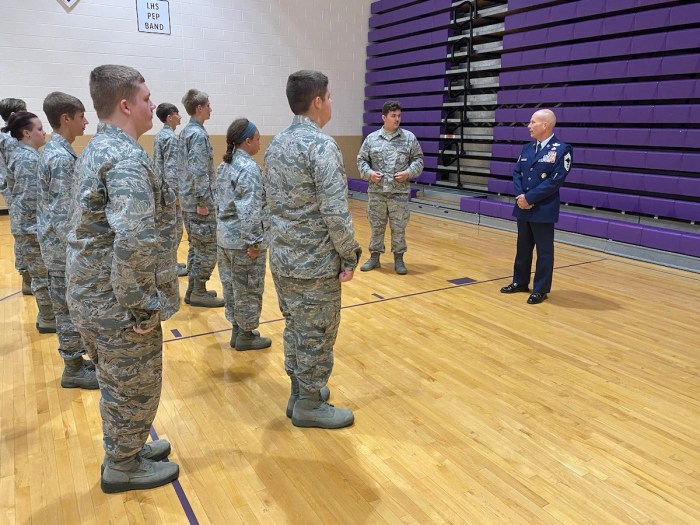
37 190
122 230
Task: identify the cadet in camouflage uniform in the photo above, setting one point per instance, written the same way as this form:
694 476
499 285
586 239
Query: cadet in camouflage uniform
197 200
388 158
169 162
66 115
240 235
8 106
122 276
312 246
21 179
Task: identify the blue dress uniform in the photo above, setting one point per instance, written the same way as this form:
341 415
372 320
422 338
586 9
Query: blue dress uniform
539 175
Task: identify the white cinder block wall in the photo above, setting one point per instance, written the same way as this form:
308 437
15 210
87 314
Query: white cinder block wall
239 51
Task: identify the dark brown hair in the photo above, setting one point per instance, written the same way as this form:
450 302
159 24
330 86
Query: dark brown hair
233 133
18 122
303 87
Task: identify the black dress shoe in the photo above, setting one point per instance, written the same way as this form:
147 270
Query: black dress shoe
536 298
515 287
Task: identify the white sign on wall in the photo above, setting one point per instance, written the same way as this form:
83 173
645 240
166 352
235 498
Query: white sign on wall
153 16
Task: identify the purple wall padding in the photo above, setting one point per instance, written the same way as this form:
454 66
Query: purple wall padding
616 47
664 90
616 69
662 239
687 186
428 23
431 38
633 114
427 177
653 237
416 56
636 136
665 17
690 244
469 204
358 185
420 9
387 5
571 10
421 101
404 73
568 222
436 85
625 232
687 162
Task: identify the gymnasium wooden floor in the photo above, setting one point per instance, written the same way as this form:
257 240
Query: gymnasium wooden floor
471 406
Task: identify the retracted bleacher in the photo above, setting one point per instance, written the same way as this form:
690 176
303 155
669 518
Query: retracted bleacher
623 78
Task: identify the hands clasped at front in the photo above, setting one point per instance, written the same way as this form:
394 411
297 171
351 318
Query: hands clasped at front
522 203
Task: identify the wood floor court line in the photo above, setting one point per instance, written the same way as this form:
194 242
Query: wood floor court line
177 486
384 299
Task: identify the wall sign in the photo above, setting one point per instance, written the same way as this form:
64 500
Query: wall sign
153 16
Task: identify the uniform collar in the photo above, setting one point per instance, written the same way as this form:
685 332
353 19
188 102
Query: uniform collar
21 144
304 120
194 122
111 129
245 154
545 141
61 141
389 135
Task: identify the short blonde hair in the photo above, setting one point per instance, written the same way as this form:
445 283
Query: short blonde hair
192 99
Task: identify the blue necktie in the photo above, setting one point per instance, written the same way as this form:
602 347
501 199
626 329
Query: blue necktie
537 148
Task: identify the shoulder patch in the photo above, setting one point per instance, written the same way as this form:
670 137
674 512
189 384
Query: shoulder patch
567 162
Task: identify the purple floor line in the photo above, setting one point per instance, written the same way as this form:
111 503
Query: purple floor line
179 491
414 294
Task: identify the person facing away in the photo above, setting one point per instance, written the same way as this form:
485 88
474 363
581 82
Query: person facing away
197 200
168 161
388 159
240 234
66 115
539 173
22 185
312 246
121 276
8 106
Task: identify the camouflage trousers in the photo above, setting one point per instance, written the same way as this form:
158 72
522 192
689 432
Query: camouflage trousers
201 256
394 208
243 281
130 374
179 225
27 244
311 310
20 263
70 345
